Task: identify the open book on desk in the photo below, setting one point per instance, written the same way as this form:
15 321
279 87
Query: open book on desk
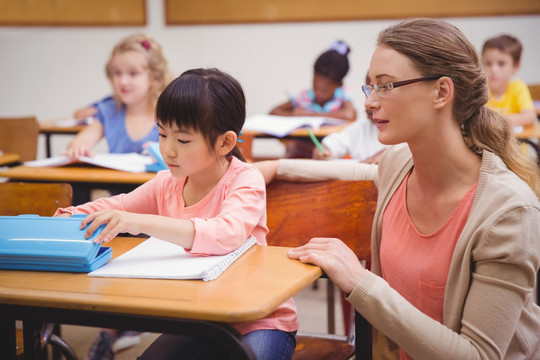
280 126
130 162
159 259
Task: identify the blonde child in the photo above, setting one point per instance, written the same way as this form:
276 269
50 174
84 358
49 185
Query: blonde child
208 202
501 58
327 97
138 72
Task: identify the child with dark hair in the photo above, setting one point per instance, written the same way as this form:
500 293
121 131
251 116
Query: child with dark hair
501 57
328 97
208 202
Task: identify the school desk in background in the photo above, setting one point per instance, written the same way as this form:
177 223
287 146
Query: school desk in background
67 126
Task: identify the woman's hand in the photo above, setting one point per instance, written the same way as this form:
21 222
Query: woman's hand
116 222
336 259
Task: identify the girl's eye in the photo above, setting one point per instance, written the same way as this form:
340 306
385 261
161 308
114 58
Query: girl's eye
162 136
183 141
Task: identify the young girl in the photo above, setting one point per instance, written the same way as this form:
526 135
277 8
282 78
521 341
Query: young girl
138 72
209 201
328 97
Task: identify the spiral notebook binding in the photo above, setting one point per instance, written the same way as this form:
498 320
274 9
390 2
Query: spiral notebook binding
220 267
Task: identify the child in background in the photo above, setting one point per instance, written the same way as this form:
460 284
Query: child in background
208 202
501 58
328 97
138 72
358 141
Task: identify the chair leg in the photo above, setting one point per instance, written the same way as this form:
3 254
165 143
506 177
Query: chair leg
59 344
330 301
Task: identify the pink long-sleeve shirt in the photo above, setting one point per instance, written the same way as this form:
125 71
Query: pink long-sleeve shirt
232 211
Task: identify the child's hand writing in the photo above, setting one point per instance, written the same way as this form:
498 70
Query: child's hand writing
302 112
116 222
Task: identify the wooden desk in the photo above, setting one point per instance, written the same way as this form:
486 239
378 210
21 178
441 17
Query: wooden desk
9 159
86 177
252 287
53 127
531 131
249 136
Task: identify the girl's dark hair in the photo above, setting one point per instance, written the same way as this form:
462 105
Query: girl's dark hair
334 63
205 100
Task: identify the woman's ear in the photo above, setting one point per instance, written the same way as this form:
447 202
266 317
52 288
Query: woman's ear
226 143
445 92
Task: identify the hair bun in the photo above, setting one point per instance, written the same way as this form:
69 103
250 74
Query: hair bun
341 47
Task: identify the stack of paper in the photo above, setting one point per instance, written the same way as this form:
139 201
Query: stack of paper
280 126
155 258
130 162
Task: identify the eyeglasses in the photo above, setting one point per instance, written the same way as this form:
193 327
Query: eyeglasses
367 89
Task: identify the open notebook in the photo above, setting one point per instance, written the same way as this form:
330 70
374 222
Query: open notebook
130 162
281 126
158 259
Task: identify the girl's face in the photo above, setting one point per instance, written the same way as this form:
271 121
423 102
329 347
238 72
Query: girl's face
499 67
404 113
185 152
130 77
324 88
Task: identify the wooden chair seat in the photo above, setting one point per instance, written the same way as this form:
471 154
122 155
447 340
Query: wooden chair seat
299 211
322 347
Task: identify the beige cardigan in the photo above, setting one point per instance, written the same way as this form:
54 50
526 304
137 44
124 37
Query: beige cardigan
489 310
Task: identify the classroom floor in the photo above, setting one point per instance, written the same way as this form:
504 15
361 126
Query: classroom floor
311 303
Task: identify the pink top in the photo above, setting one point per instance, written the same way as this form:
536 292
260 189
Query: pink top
417 265
223 219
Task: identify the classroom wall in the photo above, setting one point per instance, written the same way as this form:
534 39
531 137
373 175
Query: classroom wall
50 71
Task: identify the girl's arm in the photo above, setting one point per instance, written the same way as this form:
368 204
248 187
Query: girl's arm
346 112
316 170
82 143
285 109
524 118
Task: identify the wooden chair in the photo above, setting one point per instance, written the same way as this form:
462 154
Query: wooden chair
299 211
41 199
19 136
535 91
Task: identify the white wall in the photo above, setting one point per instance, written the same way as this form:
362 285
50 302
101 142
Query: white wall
50 71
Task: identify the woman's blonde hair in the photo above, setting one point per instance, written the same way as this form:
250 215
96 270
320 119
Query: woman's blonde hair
156 62
436 47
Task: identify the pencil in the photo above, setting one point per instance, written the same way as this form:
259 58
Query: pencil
315 140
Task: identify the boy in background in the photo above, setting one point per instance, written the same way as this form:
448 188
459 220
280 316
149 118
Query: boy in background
501 57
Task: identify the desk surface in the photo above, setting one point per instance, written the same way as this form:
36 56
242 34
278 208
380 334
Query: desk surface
82 174
301 133
8 158
531 131
251 288
58 127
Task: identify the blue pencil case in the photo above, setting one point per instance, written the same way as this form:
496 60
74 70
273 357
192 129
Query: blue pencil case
32 242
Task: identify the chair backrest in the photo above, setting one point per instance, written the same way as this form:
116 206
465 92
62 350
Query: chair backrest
299 211
18 198
19 136
535 91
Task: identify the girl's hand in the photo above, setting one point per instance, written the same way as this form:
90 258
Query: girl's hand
327 155
116 222
74 151
85 112
336 259
302 112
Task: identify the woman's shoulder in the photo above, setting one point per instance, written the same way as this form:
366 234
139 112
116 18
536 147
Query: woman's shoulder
500 184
